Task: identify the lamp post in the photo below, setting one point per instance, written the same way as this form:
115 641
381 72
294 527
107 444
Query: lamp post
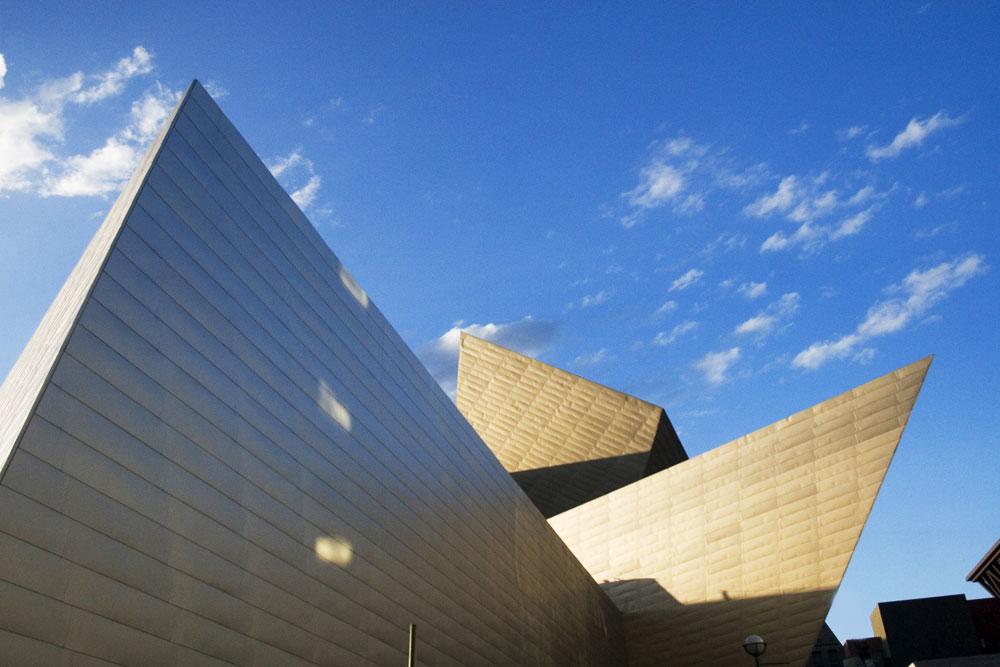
755 646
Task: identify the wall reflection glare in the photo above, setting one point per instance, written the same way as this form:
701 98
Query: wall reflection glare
353 287
335 550
334 408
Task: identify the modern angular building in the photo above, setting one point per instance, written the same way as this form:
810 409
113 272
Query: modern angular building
940 631
216 450
987 571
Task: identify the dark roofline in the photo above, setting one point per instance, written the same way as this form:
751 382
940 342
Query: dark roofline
992 556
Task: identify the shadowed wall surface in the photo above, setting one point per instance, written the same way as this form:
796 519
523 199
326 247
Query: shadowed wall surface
565 439
217 450
751 537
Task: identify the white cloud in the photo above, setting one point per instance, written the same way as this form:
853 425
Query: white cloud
851 132
692 204
296 163
760 323
801 128
851 226
685 281
105 169
110 83
666 308
24 127
753 290
591 359
215 90
594 299
912 136
100 172
765 321
806 200
305 195
715 365
661 183
663 338
812 207
283 164
527 336
812 237
862 195
3 70
149 113
920 291
31 129
781 200
682 174
921 200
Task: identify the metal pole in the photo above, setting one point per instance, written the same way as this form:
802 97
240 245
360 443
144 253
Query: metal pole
756 660
412 660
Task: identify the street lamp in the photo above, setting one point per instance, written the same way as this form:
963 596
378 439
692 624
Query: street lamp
755 646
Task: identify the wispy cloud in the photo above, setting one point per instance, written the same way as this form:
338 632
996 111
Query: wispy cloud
3 70
293 159
214 89
851 132
31 131
681 174
595 299
919 291
686 280
912 136
661 183
714 365
293 167
110 82
663 338
801 128
527 336
764 322
753 290
305 195
372 115
665 308
811 237
591 359
105 169
807 199
779 201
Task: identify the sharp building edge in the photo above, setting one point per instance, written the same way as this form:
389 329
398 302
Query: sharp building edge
565 439
751 537
217 450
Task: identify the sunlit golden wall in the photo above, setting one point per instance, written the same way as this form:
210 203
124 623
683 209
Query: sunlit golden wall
565 439
751 537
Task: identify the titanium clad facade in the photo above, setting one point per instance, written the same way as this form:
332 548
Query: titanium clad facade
566 440
217 450
751 537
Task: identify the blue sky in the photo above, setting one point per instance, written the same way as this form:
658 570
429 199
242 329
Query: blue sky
733 211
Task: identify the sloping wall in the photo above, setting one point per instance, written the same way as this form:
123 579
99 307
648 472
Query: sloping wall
234 458
751 537
565 439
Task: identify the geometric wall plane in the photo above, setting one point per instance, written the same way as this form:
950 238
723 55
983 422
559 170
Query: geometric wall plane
751 537
215 449
566 440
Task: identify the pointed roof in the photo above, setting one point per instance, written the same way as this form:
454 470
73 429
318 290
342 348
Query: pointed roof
26 380
217 449
565 439
751 537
